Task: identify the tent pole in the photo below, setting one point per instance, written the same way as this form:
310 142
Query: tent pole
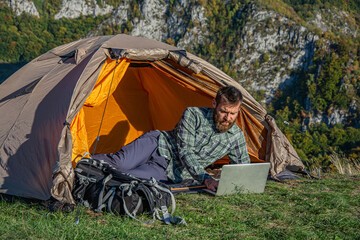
107 99
184 73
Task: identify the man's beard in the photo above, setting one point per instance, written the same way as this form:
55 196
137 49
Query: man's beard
219 124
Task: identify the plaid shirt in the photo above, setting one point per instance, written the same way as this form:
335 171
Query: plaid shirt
195 143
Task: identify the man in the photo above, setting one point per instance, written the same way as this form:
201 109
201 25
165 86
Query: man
202 136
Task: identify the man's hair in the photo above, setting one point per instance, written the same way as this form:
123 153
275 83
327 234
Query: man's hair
230 94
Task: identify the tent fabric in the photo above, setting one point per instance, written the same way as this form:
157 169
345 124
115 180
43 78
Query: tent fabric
108 80
125 122
55 105
29 130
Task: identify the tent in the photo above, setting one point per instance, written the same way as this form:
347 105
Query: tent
53 109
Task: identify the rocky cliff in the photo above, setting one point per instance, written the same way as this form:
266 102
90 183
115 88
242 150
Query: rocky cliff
76 8
160 20
272 48
270 53
266 54
23 6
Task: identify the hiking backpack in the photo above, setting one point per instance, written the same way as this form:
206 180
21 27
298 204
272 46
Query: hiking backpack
99 186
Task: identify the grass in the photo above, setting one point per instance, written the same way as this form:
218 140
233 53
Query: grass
344 165
300 209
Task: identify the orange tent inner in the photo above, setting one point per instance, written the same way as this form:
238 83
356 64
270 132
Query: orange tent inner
143 96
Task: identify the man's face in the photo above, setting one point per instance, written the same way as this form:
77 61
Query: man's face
225 114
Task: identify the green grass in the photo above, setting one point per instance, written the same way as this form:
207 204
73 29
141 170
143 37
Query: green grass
303 209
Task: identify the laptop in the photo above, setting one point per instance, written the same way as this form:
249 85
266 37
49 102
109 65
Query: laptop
242 178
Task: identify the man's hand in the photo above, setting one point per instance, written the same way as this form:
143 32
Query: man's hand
211 184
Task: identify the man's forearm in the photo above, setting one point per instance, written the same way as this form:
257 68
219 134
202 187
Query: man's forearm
195 169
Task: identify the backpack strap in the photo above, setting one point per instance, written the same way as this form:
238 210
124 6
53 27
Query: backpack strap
137 206
83 182
128 189
155 185
113 191
167 218
148 195
102 198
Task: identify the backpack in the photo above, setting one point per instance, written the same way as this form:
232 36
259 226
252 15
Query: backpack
99 186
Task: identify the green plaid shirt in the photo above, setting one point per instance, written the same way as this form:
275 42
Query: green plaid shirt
195 143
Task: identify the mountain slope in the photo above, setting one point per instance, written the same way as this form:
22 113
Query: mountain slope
300 60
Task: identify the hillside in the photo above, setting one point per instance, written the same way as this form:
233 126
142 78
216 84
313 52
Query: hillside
297 209
300 59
